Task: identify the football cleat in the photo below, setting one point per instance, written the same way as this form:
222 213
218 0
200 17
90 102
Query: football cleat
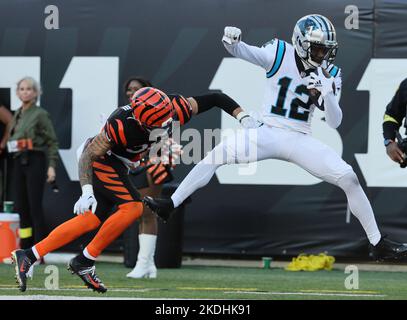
387 249
161 207
87 274
22 266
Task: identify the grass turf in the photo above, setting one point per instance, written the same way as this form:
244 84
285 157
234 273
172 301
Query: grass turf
194 282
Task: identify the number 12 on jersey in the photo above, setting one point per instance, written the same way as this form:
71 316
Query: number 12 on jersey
293 111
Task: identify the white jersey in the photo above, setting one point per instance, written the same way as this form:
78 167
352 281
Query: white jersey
287 103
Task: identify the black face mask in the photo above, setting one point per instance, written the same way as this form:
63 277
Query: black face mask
320 52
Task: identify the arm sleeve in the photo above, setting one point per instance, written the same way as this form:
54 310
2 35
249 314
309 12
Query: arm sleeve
333 112
263 57
337 74
338 85
50 138
395 112
220 100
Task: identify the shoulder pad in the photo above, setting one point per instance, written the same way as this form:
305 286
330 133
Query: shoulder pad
271 42
280 49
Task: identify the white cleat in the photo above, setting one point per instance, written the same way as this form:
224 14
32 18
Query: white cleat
142 270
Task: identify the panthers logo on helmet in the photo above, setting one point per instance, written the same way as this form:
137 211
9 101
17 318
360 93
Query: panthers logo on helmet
152 107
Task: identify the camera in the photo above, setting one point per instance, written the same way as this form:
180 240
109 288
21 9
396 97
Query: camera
402 144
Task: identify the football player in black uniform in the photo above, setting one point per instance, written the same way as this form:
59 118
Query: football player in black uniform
149 179
109 199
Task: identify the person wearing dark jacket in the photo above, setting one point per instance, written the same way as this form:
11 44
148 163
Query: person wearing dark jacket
5 121
34 148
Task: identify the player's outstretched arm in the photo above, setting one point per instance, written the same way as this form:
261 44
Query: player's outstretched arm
263 57
206 102
95 149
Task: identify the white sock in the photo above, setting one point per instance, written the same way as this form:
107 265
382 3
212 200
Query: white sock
197 178
36 254
88 255
360 206
147 244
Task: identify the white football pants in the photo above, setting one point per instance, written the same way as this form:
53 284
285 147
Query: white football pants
302 149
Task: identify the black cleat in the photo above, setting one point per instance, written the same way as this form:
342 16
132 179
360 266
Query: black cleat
87 274
162 207
22 265
387 249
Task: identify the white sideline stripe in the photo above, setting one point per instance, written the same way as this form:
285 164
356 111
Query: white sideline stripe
309 294
85 290
45 297
157 289
50 297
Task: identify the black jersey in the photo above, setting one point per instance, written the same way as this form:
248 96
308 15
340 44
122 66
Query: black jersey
129 138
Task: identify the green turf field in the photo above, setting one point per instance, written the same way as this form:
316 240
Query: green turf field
216 283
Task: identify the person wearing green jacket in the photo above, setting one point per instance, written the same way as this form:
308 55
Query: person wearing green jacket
34 148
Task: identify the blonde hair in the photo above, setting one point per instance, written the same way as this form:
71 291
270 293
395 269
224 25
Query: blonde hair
34 84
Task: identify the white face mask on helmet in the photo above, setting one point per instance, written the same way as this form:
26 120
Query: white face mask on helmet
314 39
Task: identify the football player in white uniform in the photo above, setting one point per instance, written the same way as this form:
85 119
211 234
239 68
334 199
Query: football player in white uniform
300 77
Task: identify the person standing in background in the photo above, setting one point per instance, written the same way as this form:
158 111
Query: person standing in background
34 148
5 121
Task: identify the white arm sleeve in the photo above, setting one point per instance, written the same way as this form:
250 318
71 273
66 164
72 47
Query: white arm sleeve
333 112
263 57
338 86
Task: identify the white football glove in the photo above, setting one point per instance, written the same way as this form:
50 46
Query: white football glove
86 202
232 35
247 121
321 83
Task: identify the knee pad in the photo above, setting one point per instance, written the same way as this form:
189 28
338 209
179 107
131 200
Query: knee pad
349 180
90 220
133 210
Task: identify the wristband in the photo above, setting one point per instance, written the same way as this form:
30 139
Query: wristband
87 189
387 142
241 116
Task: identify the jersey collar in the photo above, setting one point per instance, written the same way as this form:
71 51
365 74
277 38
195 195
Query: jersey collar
304 72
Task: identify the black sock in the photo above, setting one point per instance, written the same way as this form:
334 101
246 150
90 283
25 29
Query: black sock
85 261
30 255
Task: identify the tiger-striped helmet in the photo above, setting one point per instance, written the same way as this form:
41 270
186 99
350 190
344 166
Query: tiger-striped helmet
152 107
182 108
314 39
